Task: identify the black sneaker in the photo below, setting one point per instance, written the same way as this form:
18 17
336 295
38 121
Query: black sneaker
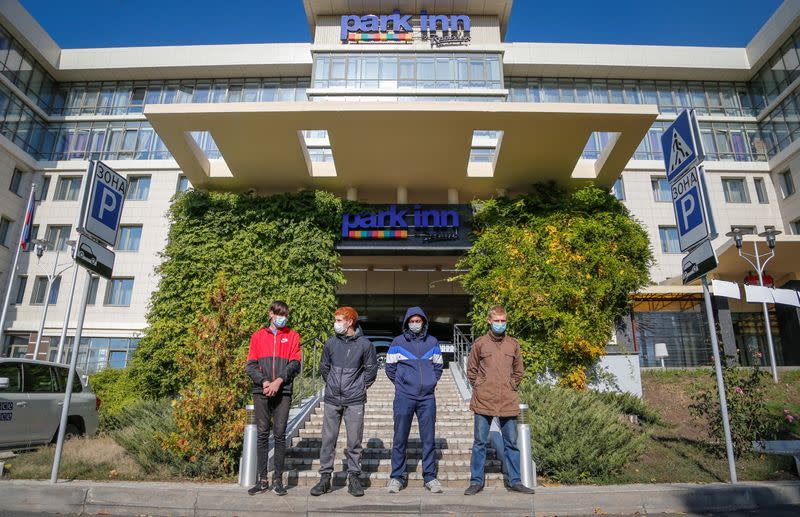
278 488
522 489
258 488
354 487
323 486
473 489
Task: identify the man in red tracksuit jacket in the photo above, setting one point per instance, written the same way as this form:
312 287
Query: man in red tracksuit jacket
272 362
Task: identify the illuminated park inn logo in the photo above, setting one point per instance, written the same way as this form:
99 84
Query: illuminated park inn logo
395 223
397 28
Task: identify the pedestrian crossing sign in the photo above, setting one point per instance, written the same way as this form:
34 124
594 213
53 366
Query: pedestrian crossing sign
680 145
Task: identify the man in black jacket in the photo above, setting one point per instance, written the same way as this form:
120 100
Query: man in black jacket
349 366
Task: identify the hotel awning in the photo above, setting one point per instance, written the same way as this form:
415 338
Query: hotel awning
419 145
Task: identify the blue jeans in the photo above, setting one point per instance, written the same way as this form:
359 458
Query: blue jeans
404 411
508 428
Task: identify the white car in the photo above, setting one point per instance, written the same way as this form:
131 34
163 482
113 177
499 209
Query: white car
31 397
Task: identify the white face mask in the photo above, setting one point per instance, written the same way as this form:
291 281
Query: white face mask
340 327
416 328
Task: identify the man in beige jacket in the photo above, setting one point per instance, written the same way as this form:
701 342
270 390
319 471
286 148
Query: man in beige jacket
495 370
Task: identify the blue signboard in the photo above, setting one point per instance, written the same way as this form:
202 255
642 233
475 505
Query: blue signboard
680 145
689 204
102 208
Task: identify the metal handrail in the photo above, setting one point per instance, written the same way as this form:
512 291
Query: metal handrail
462 342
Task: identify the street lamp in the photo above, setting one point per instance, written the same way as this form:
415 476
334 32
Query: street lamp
39 248
759 267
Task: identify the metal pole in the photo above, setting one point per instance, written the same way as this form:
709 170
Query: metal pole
12 272
527 469
66 314
70 378
770 346
723 400
50 279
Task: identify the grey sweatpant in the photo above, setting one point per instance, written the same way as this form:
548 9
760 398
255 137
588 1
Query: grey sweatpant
354 425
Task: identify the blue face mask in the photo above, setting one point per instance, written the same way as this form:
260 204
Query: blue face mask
279 321
498 328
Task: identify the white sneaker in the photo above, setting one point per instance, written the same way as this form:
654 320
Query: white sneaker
394 486
434 486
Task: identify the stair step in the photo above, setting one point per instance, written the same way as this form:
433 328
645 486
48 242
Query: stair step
376 481
380 453
458 443
385 465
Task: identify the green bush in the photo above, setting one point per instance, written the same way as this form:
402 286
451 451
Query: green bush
116 390
141 428
564 265
750 418
576 436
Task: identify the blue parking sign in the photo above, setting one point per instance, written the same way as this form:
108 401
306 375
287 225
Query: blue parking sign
690 210
102 206
106 206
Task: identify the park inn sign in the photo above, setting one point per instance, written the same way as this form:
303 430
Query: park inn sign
398 28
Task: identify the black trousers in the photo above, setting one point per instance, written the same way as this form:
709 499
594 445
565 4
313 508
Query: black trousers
271 413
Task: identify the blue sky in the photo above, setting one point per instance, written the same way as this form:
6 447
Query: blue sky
119 23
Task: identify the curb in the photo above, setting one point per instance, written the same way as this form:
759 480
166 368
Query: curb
207 499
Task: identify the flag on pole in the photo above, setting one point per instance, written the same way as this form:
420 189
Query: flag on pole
25 235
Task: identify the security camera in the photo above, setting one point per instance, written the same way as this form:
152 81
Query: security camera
39 250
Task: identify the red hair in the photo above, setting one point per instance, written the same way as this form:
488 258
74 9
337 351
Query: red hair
347 313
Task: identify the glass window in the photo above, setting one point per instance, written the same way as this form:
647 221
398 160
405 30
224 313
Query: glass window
5 226
669 239
795 227
787 183
661 191
619 189
119 291
129 238
138 188
761 190
13 372
38 378
41 192
735 190
16 182
93 285
183 183
57 236
61 376
117 359
22 283
40 291
68 188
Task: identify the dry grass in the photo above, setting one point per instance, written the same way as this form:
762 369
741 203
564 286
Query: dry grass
96 458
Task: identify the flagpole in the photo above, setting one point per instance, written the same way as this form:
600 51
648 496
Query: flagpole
12 273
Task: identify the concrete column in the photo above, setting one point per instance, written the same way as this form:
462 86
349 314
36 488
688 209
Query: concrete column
352 194
452 196
725 324
402 195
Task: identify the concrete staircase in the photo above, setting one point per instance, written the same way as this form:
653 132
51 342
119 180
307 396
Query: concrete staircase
453 442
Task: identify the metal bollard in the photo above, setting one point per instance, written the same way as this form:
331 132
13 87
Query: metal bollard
527 468
248 463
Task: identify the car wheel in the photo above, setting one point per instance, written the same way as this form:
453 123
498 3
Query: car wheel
72 432
381 360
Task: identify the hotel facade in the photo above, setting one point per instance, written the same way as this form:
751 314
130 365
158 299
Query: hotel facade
417 106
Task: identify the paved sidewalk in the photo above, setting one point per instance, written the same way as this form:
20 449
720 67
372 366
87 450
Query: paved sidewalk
206 499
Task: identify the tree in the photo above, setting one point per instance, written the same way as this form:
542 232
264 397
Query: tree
210 412
564 265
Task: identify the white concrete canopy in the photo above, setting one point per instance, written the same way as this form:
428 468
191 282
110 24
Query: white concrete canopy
385 145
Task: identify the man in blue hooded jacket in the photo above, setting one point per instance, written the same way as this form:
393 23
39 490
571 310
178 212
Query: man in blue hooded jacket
414 365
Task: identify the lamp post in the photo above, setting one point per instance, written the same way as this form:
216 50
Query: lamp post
69 308
39 248
759 266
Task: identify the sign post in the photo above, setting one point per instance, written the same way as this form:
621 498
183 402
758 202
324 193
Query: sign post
683 154
98 224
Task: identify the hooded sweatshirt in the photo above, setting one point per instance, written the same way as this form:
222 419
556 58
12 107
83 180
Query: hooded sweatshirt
414 362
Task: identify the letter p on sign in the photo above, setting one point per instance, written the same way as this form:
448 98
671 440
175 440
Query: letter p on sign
106 206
